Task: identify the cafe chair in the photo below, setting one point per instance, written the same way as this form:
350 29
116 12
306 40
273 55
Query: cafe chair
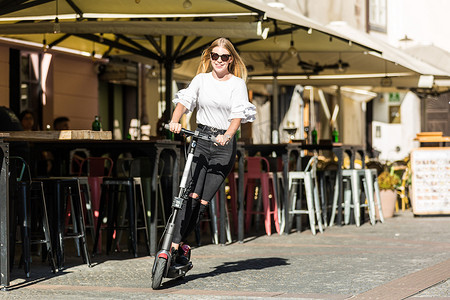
307 179
402 169
110 208
76 157
31 215
258 175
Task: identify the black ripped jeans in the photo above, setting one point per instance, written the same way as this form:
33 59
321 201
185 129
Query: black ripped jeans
211 165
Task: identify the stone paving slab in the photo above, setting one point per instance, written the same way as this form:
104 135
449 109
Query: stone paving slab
410 284
341 263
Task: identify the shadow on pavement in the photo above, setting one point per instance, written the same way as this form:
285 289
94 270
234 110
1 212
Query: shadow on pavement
35 278
231 267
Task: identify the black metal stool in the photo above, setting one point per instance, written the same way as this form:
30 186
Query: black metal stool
111 187
31 213
63 191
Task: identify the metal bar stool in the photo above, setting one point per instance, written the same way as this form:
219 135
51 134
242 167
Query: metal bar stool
91 172
233 192
353 194
374 190
326 179
154 175
214 211
65 195
31 213
313 210
276 166
267 187
109 207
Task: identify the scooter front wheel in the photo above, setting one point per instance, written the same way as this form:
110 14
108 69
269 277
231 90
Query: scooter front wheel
158 273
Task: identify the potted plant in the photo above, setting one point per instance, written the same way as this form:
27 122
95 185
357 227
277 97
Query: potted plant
388 183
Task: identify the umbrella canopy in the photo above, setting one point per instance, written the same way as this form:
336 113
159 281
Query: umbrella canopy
165 30
386 67
273 42
141 27
168 32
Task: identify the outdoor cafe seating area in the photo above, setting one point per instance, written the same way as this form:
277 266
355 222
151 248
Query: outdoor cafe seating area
115 195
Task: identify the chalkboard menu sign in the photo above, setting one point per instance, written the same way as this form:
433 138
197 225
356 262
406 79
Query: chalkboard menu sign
431 180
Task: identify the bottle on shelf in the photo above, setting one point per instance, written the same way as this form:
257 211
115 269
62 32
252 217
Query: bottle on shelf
335 135
314 136
97 125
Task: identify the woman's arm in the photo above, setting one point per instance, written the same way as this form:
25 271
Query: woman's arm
174 124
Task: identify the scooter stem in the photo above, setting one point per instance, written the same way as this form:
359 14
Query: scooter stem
168 237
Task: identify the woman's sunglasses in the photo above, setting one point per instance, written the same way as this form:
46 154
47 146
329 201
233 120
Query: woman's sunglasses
223 57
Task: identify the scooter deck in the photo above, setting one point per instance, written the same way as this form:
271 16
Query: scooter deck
179 270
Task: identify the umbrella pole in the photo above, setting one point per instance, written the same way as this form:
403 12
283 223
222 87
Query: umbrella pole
168 66
275 105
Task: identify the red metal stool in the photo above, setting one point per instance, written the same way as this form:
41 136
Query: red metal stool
233 192
258 169
97 168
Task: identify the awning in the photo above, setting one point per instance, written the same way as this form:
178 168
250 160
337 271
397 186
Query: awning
434 56
387 67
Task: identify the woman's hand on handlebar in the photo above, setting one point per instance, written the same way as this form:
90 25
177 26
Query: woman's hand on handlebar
175 127
222 139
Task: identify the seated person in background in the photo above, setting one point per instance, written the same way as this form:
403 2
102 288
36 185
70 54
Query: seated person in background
10 122
26 118
61 123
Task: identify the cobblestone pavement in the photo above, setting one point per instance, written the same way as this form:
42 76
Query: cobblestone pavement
342 262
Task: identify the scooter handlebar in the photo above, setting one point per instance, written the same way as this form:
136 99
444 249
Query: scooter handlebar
206 137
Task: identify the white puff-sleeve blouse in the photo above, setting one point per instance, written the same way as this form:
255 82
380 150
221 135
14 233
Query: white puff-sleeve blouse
217 102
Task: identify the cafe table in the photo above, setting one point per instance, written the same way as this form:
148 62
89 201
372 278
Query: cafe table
98 143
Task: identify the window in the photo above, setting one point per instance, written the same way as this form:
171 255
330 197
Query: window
394 114
29 82
377 15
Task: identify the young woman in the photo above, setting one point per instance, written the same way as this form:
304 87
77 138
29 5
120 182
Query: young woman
219 93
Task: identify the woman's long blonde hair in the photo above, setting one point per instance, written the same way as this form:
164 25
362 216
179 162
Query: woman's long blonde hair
236 67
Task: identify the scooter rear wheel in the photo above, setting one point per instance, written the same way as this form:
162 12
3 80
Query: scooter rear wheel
157 276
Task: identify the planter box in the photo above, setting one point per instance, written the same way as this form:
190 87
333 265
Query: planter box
388 199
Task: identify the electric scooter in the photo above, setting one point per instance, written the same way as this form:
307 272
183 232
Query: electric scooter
163 267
